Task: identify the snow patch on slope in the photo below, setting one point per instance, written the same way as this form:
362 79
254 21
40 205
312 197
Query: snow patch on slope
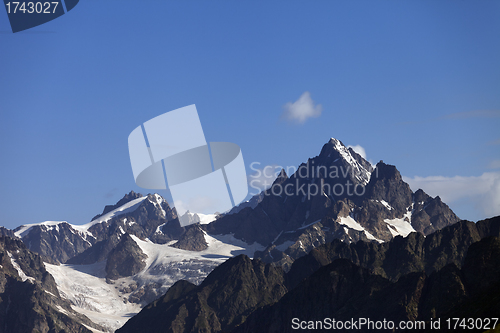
86 288
386 204
400 226
192 218
207 218
83 229
124 209
220 248
21 273
158 201
351 223
25 228
361 174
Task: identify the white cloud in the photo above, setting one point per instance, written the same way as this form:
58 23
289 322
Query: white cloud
301 109
362 152
358 149
482 192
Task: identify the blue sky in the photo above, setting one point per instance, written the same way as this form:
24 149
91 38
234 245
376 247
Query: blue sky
416 84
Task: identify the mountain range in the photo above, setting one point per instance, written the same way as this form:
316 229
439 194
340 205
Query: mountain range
336 214
405 279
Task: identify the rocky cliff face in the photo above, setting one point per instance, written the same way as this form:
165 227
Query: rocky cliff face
146 217
336 198
126 259
126 199
6 232
413 278
57 243
335 195
223 301
192 239
342 290
401 256
29 299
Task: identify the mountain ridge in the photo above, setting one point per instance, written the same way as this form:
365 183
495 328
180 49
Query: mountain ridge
288 226
29 298
134 244
338 288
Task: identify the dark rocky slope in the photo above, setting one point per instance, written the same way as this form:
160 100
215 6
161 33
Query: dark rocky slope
63 243
312 212
192 240
342 290
292 224
29 299
413 278
126 259
224 300
401 256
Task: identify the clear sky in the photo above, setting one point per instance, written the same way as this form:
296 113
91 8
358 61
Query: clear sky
414 83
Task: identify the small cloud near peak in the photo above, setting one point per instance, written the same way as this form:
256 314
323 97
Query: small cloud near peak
301 110
358 149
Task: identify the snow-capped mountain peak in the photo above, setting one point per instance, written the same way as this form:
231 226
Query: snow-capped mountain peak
138 247
124 209
335 153
59 241
25 228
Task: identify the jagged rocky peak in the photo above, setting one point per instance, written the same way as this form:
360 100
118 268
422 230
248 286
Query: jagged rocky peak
348 163
280 181
331 146
29 298
126 259
55 241
18 261
420 196
432 214
192 240
336 194
153 208
143 216
7 232
282 176
452 273
220 303
387 184
161 207
189 218
126 198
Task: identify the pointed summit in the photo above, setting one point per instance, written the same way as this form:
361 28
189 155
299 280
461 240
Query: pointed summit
333 144
334 152
126 198
282 176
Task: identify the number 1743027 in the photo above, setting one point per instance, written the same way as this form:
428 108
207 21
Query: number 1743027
31 7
